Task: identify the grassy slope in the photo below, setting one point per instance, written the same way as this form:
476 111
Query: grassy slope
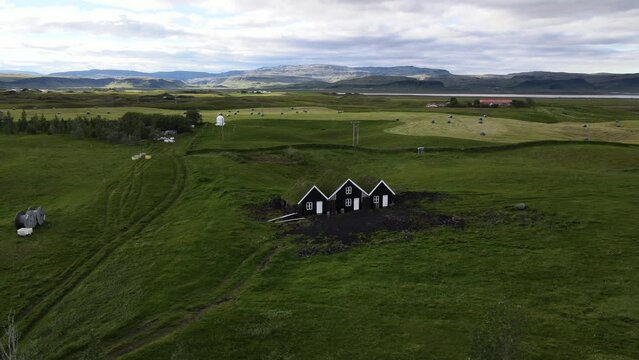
200 277
96 199
423 298
417 298
31 176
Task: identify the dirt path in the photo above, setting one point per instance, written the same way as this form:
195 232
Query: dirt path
71 278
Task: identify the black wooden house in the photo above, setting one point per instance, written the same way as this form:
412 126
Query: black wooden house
381 196
314 202
348 197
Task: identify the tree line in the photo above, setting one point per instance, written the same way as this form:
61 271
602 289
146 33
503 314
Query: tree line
130 128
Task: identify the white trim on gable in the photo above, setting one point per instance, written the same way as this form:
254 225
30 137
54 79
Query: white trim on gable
308 192
332 197
385 184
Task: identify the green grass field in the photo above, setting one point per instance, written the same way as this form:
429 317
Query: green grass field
170 258
515 131
546 110
279 126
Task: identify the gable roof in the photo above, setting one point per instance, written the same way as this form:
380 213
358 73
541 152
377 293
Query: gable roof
385 184
308 192
345 182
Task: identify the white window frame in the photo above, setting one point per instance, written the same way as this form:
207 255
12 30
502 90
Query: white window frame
349 190
309 205
348 202
376 199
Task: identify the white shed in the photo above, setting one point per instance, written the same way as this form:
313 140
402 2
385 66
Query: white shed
219 121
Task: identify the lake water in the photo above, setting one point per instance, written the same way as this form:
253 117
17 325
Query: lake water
540 96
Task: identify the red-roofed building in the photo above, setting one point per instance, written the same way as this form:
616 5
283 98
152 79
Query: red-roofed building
496 102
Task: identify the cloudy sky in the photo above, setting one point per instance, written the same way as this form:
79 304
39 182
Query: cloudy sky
478 36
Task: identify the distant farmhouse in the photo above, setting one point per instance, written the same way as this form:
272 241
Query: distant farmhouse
495 102
347 197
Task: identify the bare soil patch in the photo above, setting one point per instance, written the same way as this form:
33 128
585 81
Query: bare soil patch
337 233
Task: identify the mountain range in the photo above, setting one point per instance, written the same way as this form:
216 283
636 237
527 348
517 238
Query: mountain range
331 78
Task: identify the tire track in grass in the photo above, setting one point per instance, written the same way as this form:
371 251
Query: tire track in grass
124 195
74 277
230 288
131 201
113 218
61 278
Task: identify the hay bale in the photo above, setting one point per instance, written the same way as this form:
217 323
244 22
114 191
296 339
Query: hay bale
521 206
41 215
25 231
30 219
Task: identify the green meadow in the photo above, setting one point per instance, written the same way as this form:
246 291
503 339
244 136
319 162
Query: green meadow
171 257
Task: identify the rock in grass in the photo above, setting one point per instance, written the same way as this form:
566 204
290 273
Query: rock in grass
520 206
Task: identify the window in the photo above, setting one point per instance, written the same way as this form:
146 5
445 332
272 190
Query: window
348 202
349 190
376 199
309 205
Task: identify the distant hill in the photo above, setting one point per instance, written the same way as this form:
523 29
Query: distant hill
337 77
262 77
98 74
387 82
629 84
403 71
550 84
51 82
18 72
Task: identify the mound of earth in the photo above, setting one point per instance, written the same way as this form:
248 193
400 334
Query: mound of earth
336 233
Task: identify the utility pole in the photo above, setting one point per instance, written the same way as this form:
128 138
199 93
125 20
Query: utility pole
355 132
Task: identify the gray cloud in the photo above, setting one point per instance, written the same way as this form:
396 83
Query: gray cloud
480 36
123 27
